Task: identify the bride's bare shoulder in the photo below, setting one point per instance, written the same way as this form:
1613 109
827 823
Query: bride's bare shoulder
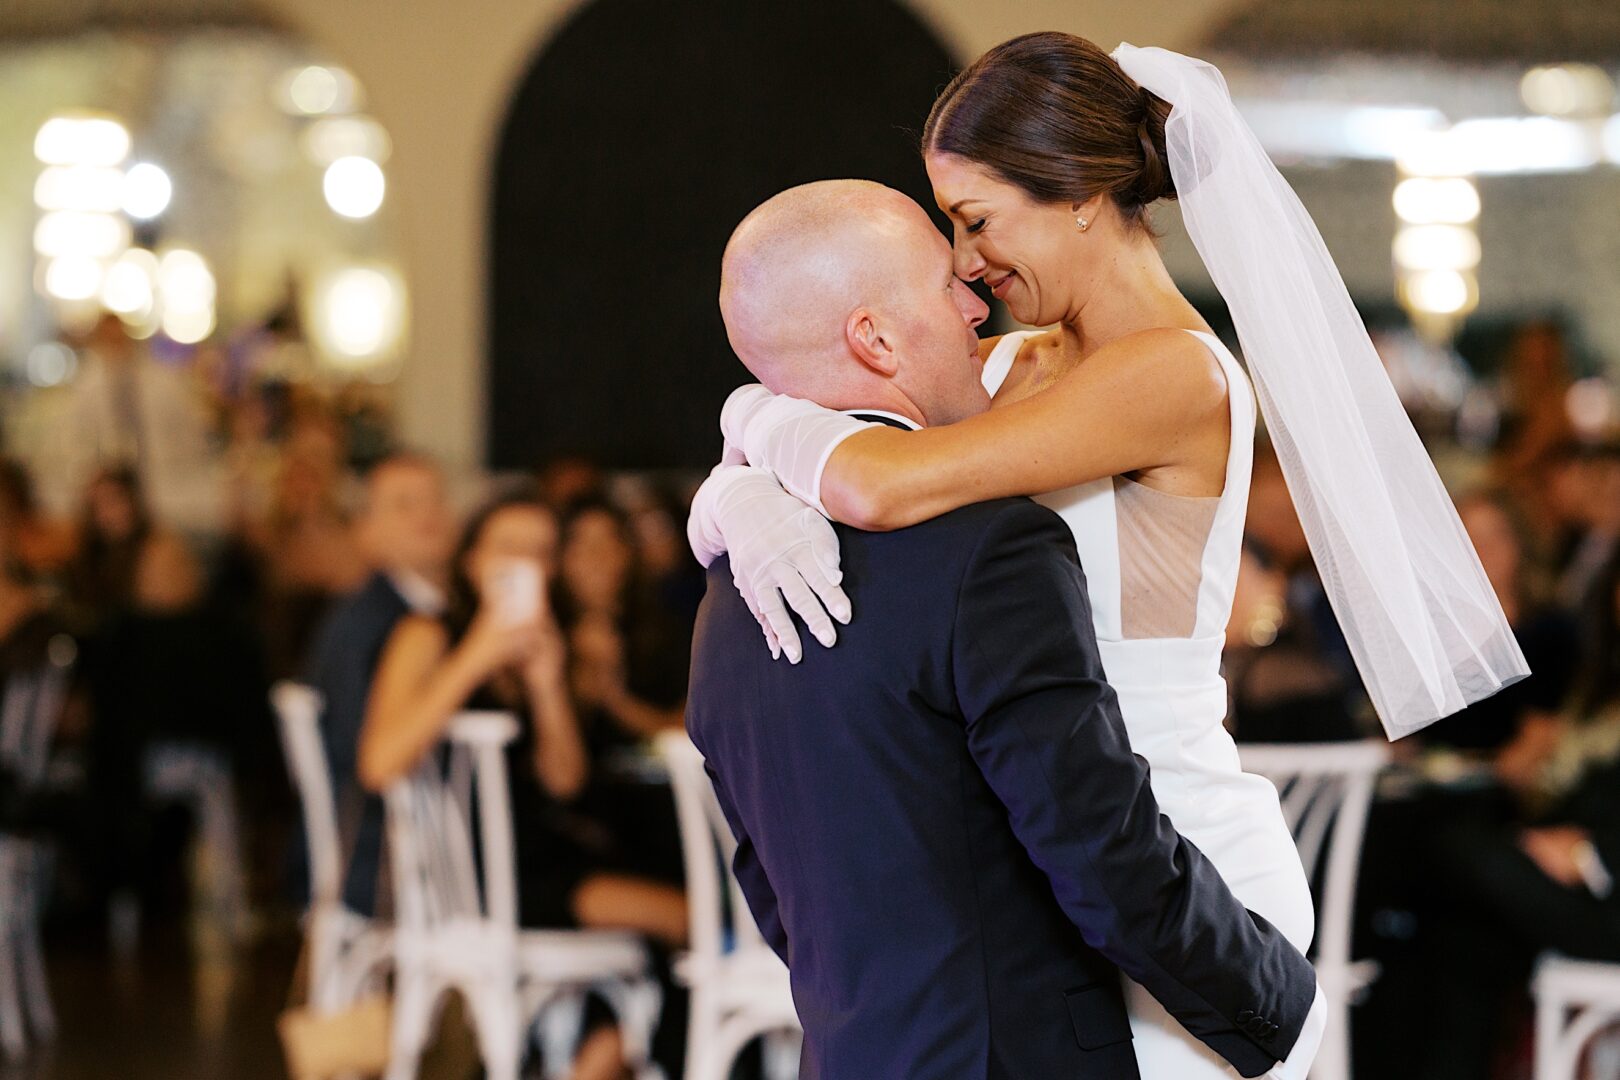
1175 361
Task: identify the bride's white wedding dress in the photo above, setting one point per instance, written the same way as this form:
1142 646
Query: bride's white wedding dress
1160 570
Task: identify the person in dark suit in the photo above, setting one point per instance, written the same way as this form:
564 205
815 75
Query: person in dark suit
407 532
941 826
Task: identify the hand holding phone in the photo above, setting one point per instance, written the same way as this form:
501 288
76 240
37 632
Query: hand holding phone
514 589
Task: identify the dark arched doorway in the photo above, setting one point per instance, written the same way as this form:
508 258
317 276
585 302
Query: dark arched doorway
643 133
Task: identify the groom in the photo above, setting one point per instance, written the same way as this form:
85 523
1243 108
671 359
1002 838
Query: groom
941 827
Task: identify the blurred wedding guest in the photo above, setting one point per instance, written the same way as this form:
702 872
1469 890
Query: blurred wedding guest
113 530
30 637
305 548
629 636
1281 684
1510 888
275 350
1519 726
172 669
497 646
27 623
306 511
35 542
629 655
672 578
628 660
172 666
569 479
1532 396
125 408
361 408
1273 530
1592 477
73 799
252 455
406 532
1287 668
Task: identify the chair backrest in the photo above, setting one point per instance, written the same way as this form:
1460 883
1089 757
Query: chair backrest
298 715
431 837
29 713
1326 791
707 848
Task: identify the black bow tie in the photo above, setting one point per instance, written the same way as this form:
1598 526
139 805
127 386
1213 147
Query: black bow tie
874 419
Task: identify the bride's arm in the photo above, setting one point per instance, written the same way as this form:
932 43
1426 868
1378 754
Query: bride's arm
1137 403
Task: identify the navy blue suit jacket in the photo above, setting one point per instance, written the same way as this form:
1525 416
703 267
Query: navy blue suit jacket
944 833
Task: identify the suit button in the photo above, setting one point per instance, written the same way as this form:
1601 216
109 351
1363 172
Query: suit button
1245 1016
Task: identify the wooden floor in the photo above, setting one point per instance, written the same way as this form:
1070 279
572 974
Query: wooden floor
168 1012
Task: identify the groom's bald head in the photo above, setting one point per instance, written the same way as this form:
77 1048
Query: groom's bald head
800 263
814 272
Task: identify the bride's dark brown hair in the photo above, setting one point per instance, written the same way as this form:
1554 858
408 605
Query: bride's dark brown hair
1055 116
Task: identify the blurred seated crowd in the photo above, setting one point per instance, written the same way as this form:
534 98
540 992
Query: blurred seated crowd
542 610
567 597
1496 836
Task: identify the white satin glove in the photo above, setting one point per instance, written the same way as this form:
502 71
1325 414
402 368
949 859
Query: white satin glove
783 553
791 437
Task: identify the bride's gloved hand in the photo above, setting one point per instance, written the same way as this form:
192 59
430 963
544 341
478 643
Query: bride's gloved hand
783 553
791 437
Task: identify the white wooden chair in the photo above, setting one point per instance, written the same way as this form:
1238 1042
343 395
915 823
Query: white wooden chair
1326 791
740 988
28 718
199 777
1577 1007
456 924
348 953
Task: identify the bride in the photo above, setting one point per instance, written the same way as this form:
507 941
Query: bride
1133 422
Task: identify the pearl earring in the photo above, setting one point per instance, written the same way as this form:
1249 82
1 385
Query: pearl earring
1083 223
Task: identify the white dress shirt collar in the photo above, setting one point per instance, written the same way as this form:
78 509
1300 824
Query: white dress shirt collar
420 595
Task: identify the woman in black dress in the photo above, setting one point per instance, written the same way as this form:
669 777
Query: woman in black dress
497 649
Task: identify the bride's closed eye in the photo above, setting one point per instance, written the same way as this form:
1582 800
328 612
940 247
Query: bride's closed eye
976 226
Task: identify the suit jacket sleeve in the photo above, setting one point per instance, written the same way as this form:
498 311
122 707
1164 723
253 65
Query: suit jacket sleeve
1045 729
751 877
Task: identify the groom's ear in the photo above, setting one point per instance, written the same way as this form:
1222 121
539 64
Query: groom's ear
868 344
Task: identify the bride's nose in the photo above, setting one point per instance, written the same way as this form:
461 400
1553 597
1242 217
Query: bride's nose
970 265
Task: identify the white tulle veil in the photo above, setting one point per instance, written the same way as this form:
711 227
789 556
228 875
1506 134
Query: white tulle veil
1422 621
